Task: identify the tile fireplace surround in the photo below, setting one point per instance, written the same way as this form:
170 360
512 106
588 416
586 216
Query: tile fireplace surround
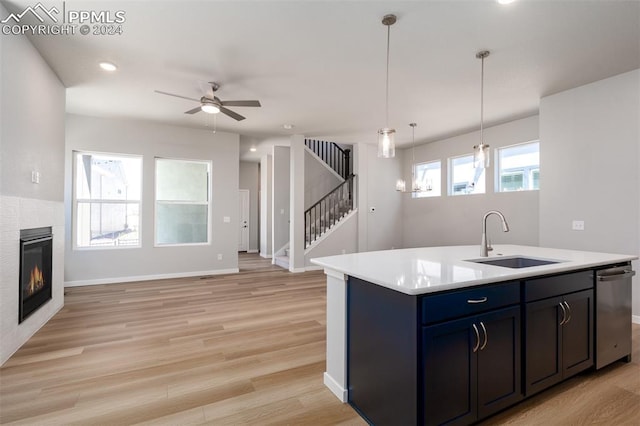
25 213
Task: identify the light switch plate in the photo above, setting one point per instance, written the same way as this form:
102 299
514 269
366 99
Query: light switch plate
226 219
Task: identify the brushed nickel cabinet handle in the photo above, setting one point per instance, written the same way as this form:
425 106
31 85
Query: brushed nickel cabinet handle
486 336
568 312
481 300
475 348
564 314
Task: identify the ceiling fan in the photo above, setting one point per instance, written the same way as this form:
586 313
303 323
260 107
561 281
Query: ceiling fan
214 105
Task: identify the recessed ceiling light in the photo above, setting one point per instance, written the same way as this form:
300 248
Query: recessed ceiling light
288 126
253 149
108 66
505 1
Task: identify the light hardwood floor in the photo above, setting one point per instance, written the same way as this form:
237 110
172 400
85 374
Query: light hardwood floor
238 349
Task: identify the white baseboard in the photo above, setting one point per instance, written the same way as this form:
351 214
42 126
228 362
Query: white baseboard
266 256
335 388
313 268
116 280
252 251
296 270
635 319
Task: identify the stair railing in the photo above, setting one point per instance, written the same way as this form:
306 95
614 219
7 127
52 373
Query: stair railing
337 158
328 210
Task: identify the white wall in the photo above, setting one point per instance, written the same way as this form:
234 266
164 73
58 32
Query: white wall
342 239
266 198
32 102
319 179
250 179
380 229
281 198
156 140
457 220
590 140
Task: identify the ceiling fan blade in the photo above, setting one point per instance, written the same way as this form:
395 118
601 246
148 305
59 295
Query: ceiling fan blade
242 103
177 96
193 111
231 114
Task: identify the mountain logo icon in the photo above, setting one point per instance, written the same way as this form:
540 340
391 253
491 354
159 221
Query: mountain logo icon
39 11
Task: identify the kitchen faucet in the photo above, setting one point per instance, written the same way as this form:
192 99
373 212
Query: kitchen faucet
484 246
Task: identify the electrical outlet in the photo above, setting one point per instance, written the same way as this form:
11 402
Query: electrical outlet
219 256
578 225
35 176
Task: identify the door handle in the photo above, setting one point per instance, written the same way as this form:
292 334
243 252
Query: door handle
564 313
477 345
568 312
625 274
486 336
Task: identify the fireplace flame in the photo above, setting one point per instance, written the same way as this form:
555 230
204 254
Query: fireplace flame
36 281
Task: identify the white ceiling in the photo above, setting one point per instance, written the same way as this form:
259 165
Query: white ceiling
320 65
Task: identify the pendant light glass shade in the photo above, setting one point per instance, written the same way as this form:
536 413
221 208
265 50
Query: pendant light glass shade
481 156
386 135
386 143
481 153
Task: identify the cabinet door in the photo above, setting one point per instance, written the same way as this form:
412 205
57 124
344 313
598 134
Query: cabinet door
577 333
543 359
499 378
449 372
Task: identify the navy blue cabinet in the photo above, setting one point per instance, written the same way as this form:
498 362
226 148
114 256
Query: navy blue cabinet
460 356
471 367
558 329
452 357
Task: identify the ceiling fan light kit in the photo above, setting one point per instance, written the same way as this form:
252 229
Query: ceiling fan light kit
386 135
210 108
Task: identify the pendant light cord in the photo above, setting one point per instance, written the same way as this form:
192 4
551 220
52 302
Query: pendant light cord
482 102
387 83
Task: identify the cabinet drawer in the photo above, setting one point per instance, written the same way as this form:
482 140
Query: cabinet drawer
442 307
542 288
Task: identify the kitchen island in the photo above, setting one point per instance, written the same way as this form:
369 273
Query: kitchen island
428 335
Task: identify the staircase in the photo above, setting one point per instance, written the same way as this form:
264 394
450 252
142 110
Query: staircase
339 202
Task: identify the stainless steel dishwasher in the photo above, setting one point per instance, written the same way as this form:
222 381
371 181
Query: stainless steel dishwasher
613 314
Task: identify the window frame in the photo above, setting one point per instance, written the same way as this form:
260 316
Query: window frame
76 201
426 194
527 172
450 183
209 202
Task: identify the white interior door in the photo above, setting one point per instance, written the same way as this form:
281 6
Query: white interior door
243 242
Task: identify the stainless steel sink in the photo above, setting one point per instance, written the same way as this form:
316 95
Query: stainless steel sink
514 261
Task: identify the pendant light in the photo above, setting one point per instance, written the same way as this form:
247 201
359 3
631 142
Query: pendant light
386 135
416 186
481 157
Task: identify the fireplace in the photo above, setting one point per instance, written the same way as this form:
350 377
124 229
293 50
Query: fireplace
35 270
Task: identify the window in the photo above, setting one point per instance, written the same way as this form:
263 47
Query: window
428 176
182 201
464 178
107 190
519 167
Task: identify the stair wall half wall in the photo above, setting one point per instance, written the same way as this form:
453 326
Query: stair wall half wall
319 179
341 239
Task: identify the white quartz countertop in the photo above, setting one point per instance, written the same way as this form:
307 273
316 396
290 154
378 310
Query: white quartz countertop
433 269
